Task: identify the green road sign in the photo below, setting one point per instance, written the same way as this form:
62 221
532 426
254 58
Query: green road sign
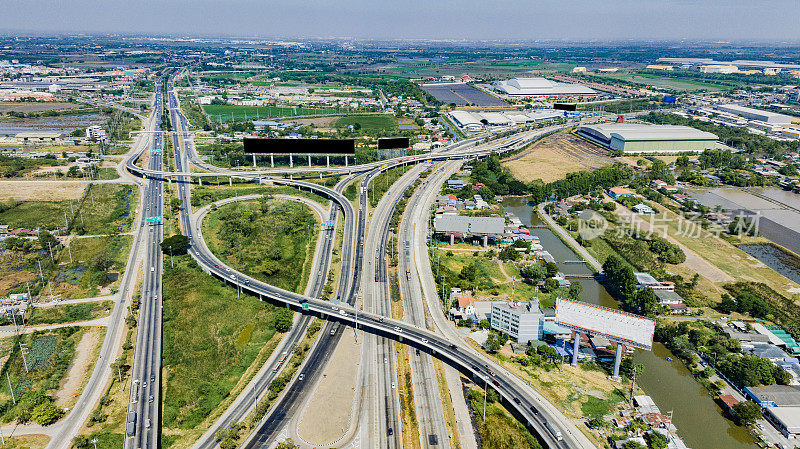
153 220
305 306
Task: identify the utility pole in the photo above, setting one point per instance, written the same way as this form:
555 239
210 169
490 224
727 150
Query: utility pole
50 247
22 351
13 399
485 394
171 264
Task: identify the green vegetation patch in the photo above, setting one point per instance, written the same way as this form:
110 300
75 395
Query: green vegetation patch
367 122
105 209
268 239
499 430
205 353
35 214
48 355
69 313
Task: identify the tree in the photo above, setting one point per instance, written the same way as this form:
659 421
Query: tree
575 289
46 240
746 413
552 269
176 245
509 253
630 444
485 324
287 444
283 319
45 413
533 272
656 440
493 342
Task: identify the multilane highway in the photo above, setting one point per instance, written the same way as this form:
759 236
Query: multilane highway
451 351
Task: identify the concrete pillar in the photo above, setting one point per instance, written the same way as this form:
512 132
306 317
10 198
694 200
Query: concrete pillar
485 241
309 160
617 361
345 161
230 181
291 163
328 161
272 160
200 180
452 239
254 160
575 347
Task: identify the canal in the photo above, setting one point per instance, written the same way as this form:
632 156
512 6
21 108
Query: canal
699 420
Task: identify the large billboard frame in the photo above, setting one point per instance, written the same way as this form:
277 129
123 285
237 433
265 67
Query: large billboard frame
311 147
622 327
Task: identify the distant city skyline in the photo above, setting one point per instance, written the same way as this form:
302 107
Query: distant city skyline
578 20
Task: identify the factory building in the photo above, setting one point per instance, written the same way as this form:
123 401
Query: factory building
466 120
541 87
755 114
719 68
640 138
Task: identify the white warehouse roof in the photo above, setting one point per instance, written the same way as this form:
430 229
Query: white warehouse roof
755 114
533 87
635 131
466 119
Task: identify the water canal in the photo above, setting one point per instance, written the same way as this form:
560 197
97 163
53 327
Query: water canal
699 420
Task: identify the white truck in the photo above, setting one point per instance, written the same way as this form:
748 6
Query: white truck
556 433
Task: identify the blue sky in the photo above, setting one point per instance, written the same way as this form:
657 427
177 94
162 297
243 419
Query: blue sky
416 19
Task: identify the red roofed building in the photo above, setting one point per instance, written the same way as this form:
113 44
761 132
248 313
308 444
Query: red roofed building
728 401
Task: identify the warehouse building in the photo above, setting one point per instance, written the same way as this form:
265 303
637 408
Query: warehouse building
639 138
755 114
466 120
464 227
541 87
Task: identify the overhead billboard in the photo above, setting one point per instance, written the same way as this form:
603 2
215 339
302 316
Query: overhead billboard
565 106
342 147
393 143
627 328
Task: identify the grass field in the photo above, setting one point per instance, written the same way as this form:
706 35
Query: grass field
206 194
229 112
36 214
211 338
26 442
69 313
106 209
668 83
500 430
97 263
367 122
41 191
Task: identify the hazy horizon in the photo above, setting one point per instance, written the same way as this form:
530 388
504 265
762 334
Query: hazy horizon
468 20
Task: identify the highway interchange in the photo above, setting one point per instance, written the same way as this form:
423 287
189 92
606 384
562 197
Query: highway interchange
441 342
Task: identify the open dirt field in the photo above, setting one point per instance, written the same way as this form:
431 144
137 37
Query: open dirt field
35 106
316 121
78 373
41 190
326 417
554 156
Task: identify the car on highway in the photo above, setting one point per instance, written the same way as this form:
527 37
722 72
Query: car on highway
147 423
144 384
342 313
301 376
152 377
425 341
385 360
516 401
393 386
397 329
151 398
389 431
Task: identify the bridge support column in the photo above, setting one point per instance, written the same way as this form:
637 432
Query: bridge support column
272 160
309 160
291 163
345 161
230 181
200 180
485 241
617 361
576 345
328 161
254 160
452 239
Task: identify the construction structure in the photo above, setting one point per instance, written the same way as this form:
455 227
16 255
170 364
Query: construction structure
640 138
619 327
